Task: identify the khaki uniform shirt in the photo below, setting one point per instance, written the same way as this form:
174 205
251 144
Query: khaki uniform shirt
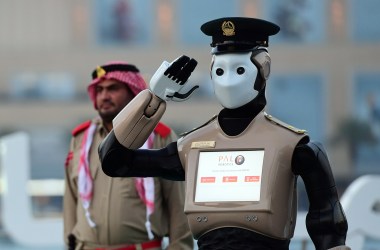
116 208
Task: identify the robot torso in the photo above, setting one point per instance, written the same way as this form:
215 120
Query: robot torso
241 181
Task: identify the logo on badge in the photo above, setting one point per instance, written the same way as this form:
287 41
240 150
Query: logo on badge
239 160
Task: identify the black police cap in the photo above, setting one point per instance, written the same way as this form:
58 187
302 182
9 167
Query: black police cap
239 33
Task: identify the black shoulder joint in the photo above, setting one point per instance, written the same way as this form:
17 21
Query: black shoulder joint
309 156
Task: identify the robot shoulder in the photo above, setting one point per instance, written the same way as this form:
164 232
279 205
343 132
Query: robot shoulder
80 128
194 129
284 125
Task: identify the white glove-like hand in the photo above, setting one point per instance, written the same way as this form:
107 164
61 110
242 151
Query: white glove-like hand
170 78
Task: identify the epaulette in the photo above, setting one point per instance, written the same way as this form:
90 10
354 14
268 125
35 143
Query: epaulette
283 124
69 157
81 127
188 132
162 129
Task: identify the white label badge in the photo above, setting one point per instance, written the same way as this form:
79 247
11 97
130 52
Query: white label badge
229 176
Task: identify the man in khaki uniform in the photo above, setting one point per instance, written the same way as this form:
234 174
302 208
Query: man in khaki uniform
118 213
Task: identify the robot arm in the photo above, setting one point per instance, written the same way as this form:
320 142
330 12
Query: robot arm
133 125
119 152
326 222
118 161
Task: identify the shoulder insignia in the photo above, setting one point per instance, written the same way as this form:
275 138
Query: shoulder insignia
188 132
69 157
81 127
162 129
283 124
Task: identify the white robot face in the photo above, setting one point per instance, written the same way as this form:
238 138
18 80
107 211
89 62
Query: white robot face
233 77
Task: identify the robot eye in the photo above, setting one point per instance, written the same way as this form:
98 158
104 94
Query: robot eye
240 70
219 71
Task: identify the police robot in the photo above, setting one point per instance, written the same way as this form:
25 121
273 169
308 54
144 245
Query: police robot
240 167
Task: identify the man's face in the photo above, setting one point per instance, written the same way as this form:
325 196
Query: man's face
111 97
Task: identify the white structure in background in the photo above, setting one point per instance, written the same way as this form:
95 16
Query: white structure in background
18 220
359 202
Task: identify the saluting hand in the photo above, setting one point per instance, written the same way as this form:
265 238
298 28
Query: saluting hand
170 78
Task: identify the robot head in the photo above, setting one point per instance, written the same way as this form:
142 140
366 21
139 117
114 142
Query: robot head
238 77
241 63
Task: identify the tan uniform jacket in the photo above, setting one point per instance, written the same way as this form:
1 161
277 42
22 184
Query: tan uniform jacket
116 207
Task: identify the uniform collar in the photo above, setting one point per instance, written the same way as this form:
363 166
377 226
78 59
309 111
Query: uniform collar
100 128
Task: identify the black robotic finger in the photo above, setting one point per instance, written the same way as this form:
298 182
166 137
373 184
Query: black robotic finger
186 71
176 66
185 95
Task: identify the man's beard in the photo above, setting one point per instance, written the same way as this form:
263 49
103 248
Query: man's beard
107 117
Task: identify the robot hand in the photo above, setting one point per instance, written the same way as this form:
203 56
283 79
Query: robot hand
170 78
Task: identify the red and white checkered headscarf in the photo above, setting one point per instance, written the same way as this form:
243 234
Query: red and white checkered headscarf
119 71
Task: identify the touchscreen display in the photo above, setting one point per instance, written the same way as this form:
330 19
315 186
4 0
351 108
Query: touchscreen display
228 176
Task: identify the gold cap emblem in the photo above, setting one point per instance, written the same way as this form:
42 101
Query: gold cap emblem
228 28
100 71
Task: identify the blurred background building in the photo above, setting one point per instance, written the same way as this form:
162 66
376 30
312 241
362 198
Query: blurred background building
325 69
